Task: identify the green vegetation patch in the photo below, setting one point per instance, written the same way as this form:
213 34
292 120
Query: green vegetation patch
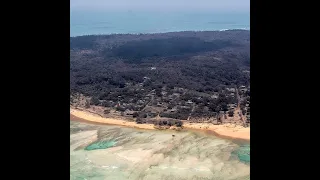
100 145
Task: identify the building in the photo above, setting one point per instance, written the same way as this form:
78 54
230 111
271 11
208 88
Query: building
243 90
173 109
231 89
189 102
214 96
128 112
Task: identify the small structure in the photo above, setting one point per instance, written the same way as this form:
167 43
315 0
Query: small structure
173 110
176 94
140 101
214 96
243 90
163 93
231 89
128 112
185 107
189 102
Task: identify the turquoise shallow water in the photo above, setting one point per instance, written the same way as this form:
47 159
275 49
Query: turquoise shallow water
104 22
243 153
100 145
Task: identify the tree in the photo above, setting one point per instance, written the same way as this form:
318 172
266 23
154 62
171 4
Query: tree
243 112
158 92
135 114
120 108
179 123
231 113
87 104
139 121
224 107
145 115
94 101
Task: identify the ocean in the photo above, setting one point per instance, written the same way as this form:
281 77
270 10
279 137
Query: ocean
93 23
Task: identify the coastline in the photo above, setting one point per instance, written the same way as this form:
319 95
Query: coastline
225 131
162 32
84 116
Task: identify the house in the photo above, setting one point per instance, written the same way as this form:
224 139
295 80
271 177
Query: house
176 94
128 112
189 102
140 102
185 107
153 68
231 89
244 90
173 110
151 114
248 118
214 96
231 106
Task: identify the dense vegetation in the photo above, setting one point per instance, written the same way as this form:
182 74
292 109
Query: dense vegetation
180 74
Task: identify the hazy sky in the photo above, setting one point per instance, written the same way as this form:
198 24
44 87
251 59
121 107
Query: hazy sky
212 5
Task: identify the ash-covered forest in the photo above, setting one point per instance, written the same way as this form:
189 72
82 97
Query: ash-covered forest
179 75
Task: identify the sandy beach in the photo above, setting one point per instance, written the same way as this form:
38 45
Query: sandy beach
75 114
225 130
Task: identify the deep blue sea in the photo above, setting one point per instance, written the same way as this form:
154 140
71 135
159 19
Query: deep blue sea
88 23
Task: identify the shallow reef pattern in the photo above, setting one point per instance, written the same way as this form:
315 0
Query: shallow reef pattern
118 153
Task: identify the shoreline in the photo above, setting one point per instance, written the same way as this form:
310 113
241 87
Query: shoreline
229 131
162 32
